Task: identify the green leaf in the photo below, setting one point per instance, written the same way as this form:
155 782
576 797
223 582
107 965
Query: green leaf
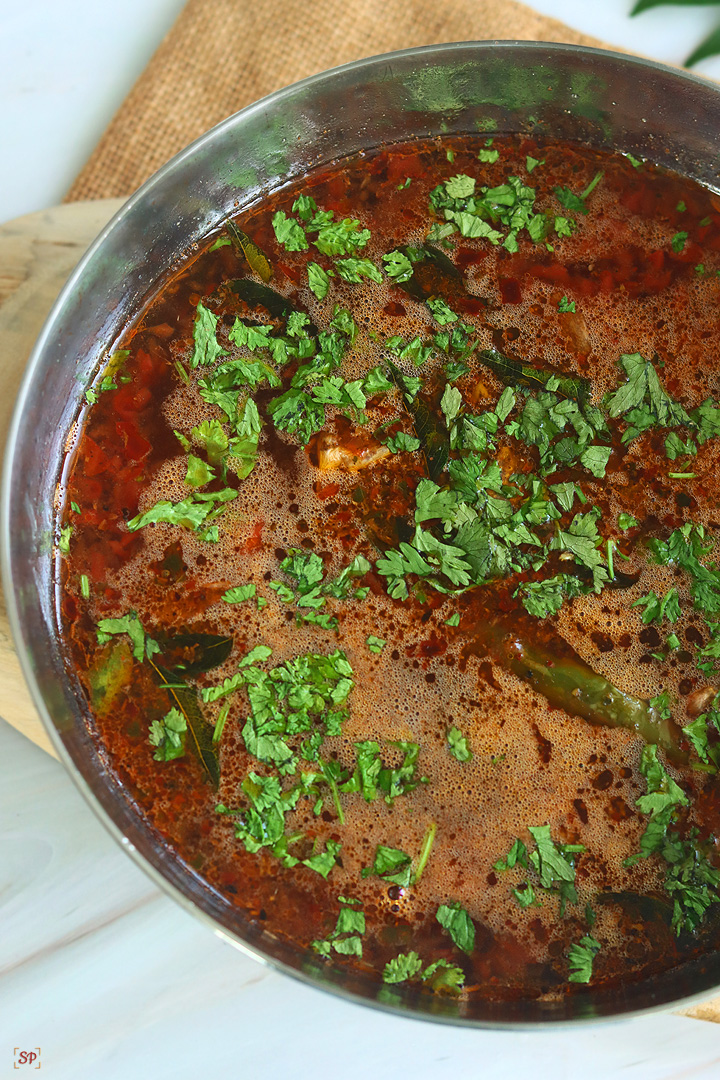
168 736
516 855
199 473
442 975
459 925
460 187
341 237
305 207
566 305
678 242
289 232
392 865
645 5
451 403
473 228
710 46
627 521
553 866
238 594
375 644
657 608
398 266
525 896
205 345
544 598
402 967
458 745
322 864
142 646
211 437
441 312
354 270
595 459
376 382
402 442
190 512
318 280
580 959
199 732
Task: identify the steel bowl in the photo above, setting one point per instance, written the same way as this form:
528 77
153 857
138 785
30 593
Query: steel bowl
583 95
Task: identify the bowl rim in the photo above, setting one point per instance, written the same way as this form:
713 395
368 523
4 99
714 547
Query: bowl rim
273 100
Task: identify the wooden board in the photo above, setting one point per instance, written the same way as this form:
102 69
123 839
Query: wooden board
37 253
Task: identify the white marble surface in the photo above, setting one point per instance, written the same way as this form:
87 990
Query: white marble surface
99 969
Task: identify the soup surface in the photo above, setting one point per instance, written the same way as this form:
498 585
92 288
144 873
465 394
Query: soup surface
387 563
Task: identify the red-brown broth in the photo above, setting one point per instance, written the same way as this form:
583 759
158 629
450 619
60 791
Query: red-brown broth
532 764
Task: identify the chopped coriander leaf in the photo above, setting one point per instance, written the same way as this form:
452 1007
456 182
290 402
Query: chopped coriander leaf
297 413
318 280
168 736
403 442
460 187
64 542
354 270
458 745
289 232
238 594
398 266
341 237
657 608
516 855
489 157
681 207
391 864
405 184
532 163
675 447
85 586
525 896
322 864
451 403
376 382
580 959
577 202
566 305
199 473
678 242
190 512
441 312
554 864
402 967
142 644
454 619
442 975
544 598
206 349
627 521
375 644
455 919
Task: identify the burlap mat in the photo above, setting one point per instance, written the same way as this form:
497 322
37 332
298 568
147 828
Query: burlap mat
224 54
